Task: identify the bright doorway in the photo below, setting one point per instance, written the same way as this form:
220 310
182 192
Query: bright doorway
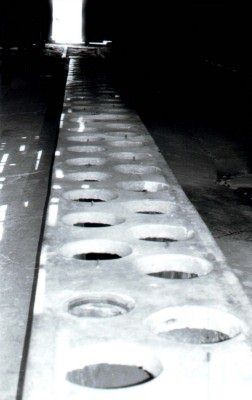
67 24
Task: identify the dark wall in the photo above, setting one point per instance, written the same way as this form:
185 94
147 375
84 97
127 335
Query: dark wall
100 19
23 22
219 29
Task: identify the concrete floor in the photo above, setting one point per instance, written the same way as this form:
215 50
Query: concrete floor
197 154
194 160
30 106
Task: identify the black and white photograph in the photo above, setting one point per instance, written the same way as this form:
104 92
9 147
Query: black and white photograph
125 200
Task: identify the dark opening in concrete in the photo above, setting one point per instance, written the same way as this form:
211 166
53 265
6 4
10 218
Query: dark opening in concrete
174 266
157 239
92 219
91 225
87 200
195 325
109 376
96 256
95 249
162 232
150 212
89 195
195 336
174 275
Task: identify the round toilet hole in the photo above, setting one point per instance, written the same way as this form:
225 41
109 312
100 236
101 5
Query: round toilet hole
159 239
86 161
89 195
112 365
143 186
194 325
173 275
86 149
162 233
173 266
90 176
84 139
100 306
126 143
119 126
102 107
114 135
137 169
195 335
133 156
150 207
91 225
100 117
97 256
150 212
109 376
89 200
92 219
96 250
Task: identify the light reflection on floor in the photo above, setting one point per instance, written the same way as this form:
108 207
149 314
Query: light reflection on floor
26 148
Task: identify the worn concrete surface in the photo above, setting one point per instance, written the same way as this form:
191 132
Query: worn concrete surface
28 128
197 157
98 306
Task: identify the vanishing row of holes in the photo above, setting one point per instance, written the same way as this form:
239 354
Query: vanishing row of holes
135 186
159 233
170 233
175 323
99 375
98 161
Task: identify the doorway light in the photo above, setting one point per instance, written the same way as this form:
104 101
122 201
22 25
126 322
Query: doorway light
67 21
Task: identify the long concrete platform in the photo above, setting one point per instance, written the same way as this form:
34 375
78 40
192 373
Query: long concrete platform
134 298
